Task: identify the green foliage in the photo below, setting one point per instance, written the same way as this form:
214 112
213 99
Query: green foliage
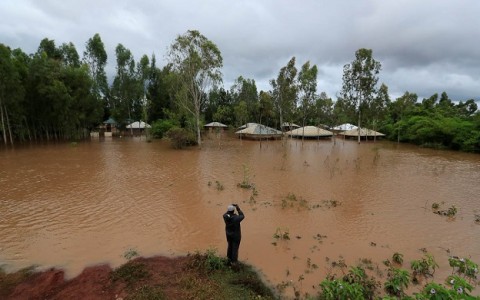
161 127
219 186
130 273
357 275
281 234
207 262
339 289
147 292
397 258
398 280
464 267
246 183
197 62
180 137
450 212
425 266
130 253
291 201
217 281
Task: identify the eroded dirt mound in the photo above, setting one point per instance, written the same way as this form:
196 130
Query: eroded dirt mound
101 282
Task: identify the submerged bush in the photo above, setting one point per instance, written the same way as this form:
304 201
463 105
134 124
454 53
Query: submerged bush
181 137
161 127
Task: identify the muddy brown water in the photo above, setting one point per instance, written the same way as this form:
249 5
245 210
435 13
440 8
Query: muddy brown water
71 206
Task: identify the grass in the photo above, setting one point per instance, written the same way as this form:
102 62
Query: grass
215 279
130 273
9 281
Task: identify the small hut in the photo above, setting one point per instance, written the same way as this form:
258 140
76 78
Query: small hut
258 131
109 128
137 128
215 126
310 132
365 133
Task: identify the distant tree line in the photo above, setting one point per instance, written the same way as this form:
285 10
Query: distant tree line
54 94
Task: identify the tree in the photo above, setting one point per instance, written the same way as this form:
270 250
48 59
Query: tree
307 87
220 106
69 55
197 62
143 74
11 90
265 108
126 90
159 91
359 81
246 90
378 107
95 57
399 109
285 91
323 110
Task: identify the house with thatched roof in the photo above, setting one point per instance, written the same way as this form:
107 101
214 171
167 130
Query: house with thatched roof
215 126
365 133
256 131
309 132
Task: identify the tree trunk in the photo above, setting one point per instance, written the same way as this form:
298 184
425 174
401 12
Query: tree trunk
359 127
3 124
28 129
8 125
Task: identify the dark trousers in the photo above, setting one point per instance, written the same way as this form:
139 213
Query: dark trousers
232 249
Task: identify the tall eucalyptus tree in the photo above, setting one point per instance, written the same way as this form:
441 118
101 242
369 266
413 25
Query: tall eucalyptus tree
307 88
360 78
197 62
96 57
285 91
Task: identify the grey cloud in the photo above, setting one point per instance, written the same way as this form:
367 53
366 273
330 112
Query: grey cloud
425 47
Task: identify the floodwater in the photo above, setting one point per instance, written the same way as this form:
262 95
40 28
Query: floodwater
71 206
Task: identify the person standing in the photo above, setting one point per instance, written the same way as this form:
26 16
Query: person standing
233 231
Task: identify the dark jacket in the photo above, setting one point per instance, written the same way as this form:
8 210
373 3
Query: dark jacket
232 223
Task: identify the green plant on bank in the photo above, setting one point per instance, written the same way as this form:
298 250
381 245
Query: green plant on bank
358 275
423 267
130 273
147 292
207 262
464 267
339 289
435 291
246 184
238 281
397 281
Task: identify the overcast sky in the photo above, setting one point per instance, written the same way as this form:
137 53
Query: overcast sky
424 46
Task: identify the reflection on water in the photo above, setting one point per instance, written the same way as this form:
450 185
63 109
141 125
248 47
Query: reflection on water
73 206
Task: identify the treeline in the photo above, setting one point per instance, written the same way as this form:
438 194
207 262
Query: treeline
54 94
